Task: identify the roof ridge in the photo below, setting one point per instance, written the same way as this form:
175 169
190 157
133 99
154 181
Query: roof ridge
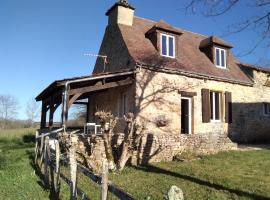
145 19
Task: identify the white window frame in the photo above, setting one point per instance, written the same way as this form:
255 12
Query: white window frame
213 108
167 42
267 108
225 57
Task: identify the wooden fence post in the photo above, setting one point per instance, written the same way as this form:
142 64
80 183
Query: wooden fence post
36 148
73 168
46 161
57 170
104 181
41 150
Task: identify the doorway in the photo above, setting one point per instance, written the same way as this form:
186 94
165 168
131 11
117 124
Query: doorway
186 115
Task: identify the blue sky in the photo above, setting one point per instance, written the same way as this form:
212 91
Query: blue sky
45 40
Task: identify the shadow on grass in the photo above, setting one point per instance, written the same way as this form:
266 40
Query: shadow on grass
39 173
29 138
154 169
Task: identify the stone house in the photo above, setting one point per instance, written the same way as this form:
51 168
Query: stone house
188 89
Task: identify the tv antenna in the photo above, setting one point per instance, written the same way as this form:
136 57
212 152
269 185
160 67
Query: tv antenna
104 57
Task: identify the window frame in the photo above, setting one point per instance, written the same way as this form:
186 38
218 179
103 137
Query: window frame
123 104
213 106
266 106
167 43
225 57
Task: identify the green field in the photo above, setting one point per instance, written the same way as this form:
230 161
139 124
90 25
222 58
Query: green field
228 175
17 177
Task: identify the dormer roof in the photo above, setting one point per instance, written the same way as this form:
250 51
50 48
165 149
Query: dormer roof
214 40
164 26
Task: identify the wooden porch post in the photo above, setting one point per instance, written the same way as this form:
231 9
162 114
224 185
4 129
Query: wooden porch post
88 110
43 115
52 109
65 107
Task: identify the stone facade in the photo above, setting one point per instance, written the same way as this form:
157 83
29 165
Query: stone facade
160 92
113 46
157 94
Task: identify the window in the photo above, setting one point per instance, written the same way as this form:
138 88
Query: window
123 105
266 109
215 102
167 44
220 55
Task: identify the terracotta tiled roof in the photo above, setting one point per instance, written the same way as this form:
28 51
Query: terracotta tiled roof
255 67
189 56
162 25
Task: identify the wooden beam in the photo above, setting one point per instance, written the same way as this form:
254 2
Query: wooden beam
101 87
80 103
73 99
187 94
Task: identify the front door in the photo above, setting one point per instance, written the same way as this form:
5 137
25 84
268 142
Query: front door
186 115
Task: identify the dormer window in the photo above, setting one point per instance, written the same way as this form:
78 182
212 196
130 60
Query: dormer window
167 44
220 57
217 50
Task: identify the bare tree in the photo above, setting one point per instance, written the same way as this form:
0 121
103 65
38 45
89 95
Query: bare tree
117 155
133 134
8 108
260 23
32 110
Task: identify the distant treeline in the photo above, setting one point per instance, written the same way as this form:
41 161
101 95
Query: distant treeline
12 124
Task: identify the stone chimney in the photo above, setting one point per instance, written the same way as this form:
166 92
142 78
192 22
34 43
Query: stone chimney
121 13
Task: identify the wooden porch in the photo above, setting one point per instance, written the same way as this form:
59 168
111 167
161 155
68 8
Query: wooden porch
76 91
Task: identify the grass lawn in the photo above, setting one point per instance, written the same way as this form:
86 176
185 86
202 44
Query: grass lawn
17 177
228 175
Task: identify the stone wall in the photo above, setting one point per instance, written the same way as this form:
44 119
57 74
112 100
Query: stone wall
156 148
157 94
114 48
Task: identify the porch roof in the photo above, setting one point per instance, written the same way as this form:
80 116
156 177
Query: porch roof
81 83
